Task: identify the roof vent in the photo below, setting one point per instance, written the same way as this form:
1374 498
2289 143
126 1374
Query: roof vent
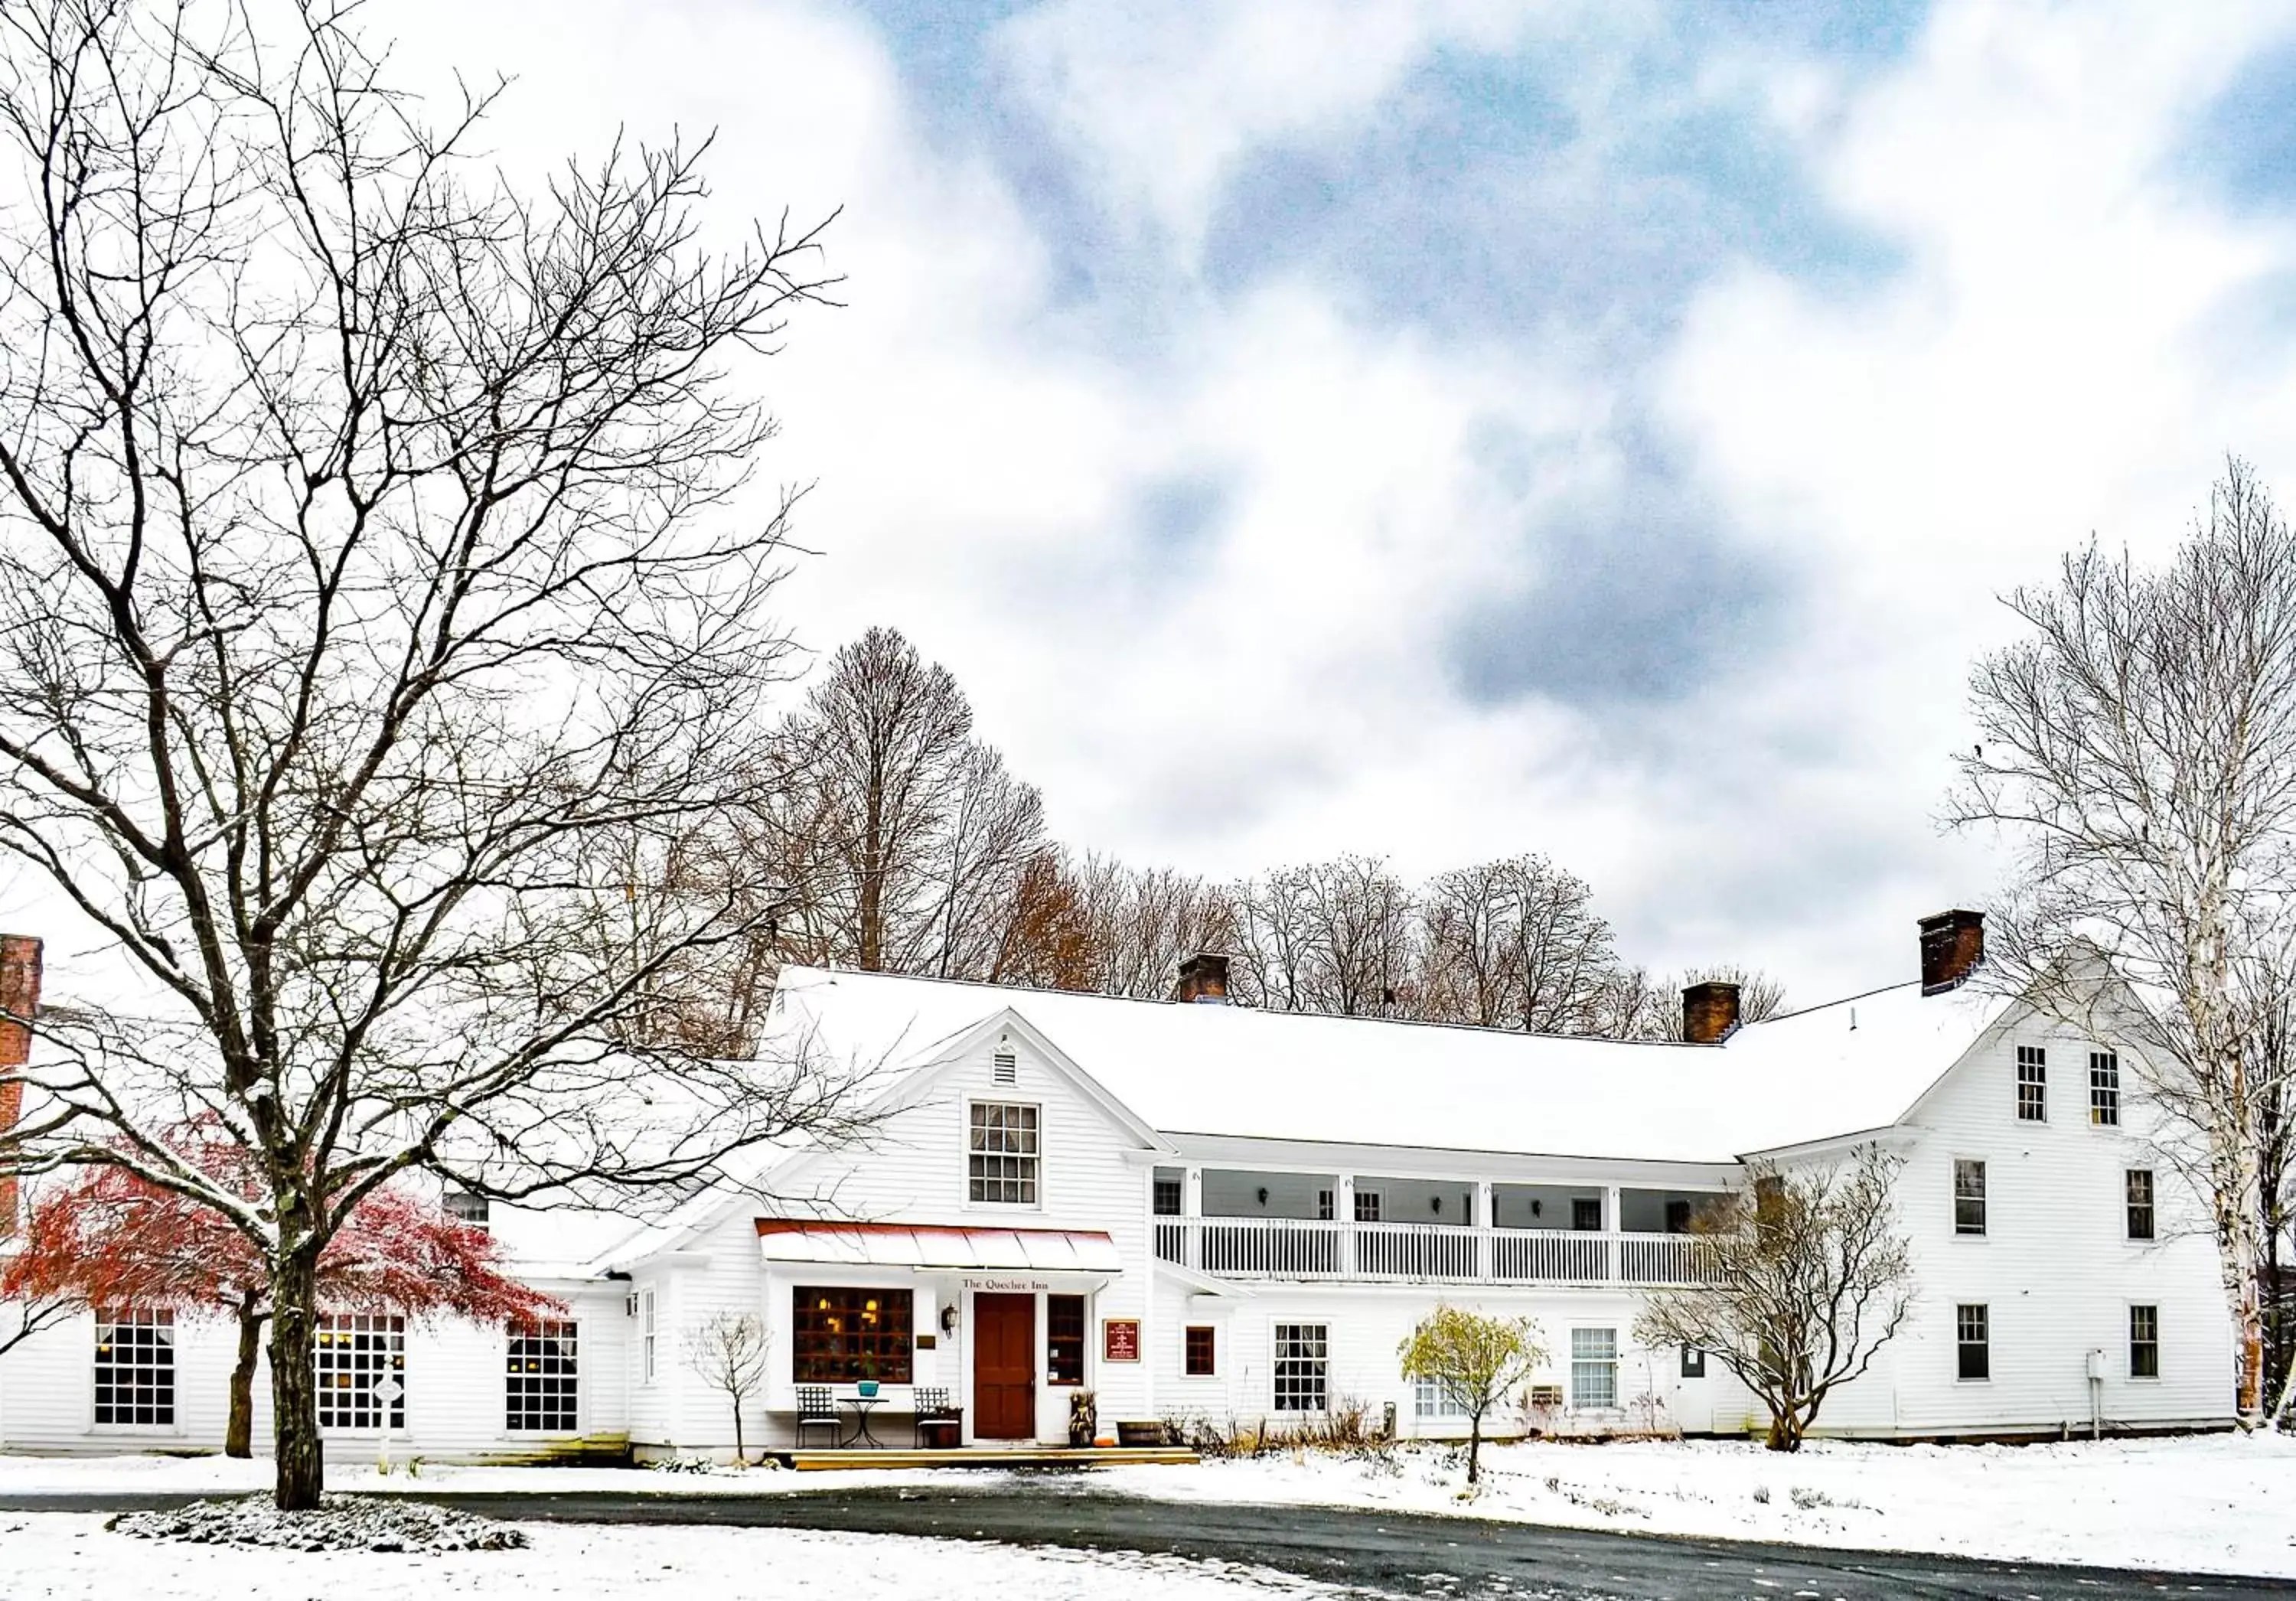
1008 1068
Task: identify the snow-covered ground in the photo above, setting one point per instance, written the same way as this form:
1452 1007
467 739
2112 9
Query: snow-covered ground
57 1556
2220 1503
2215 1503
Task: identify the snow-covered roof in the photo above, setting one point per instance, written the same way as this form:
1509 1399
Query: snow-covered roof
1841 1069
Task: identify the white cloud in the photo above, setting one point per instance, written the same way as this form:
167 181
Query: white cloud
2044 364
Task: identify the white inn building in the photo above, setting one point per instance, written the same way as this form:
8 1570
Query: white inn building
1190 1208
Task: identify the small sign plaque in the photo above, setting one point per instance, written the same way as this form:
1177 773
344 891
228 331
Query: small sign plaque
386 1390
1121 1340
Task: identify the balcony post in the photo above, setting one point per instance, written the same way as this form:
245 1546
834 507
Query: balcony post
1614 1249
1343 1217
1486 1267
1191 1211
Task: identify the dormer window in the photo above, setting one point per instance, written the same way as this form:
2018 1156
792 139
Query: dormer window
1001 1153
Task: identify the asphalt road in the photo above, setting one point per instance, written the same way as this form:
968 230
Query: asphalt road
1381 1554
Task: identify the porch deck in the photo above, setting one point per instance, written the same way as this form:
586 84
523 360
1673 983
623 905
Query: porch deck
989 1455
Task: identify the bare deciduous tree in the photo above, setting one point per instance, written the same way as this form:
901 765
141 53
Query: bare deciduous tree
1515 944
727 1353
376 615
903 841
2138 749
1807 1278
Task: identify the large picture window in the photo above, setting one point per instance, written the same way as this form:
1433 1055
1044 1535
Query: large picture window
540 1393
1303 1357
355 1351
844 1335
136 1368
1595 1368
1002 1153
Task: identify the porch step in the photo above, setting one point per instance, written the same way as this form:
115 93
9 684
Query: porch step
991 1457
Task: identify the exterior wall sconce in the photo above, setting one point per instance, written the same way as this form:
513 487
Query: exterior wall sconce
1263 1195
1435 1203
948 1319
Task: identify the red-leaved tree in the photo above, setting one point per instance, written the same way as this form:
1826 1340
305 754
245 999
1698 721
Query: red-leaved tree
112 1240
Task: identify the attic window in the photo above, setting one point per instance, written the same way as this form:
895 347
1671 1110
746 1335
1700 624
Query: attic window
2032 1084
468 1209
1007 1070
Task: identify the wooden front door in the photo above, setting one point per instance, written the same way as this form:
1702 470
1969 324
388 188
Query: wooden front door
1005 1367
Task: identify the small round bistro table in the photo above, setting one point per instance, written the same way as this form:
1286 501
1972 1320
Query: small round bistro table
862 1404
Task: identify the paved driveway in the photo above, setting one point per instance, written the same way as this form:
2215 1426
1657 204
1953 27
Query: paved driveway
1382 1553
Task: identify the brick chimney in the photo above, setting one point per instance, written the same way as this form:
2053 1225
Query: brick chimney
1709 1011
19 1000
1952 943
1203 977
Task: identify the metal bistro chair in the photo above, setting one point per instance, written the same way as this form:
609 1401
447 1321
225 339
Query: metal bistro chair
935 1415
817 1410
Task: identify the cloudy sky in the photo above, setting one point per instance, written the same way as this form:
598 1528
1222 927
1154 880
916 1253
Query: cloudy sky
1442 428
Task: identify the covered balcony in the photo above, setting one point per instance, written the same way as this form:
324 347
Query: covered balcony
1285 1225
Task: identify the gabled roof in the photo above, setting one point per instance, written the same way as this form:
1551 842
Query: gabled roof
1856 1064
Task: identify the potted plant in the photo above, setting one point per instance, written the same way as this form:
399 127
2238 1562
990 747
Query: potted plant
1084 1417
868 1381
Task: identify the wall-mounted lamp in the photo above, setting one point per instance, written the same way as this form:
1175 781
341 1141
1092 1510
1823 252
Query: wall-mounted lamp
948 1319
1263 1195
1536 1207
630 1304
1435 1203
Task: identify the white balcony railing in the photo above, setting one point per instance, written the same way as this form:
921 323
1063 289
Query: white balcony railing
1292 1248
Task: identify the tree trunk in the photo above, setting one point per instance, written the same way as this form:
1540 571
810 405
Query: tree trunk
741 1450
300 1467
1474 1447
239 1429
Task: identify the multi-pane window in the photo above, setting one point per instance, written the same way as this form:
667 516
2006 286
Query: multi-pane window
1432 1398
355 1351
1325 1210
2104 1089
1594 1367
840 1335
135 1366
1167 1197
1366 1206
2144 1343
2032 1084
647 1345
1586 1213
1303 1357
1968 1197
1003 1153
1064 1339
541 1392
1973 1334
2139 1181
1202 1355
464 1207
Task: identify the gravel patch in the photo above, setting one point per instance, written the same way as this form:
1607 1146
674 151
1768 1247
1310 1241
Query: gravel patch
343 1523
